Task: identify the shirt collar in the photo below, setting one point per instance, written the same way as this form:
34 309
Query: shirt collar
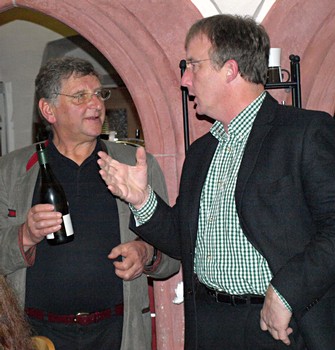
242 123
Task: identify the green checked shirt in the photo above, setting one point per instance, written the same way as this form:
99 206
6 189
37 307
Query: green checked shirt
224 259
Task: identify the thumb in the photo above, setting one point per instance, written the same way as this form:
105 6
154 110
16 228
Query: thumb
263 325
141 156
115 252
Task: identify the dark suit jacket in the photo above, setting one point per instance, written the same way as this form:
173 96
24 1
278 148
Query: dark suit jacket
285 198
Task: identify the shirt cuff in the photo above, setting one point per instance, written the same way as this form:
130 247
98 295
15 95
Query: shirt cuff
287 305
149 269
145 213
29 255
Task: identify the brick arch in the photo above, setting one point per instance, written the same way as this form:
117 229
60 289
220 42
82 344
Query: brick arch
307 28
144 41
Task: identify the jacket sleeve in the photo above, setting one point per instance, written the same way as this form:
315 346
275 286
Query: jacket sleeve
12 258
309 274
167 265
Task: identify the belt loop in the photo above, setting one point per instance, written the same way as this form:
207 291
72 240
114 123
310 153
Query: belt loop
233 303
217 295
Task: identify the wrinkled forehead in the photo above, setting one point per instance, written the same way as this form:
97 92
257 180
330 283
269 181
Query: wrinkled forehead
77 81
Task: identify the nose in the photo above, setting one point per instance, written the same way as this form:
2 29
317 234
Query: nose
186 79
96 102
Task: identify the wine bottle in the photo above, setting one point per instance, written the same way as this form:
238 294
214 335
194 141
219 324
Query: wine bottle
51 191
105 130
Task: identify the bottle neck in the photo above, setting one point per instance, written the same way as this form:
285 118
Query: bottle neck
42 158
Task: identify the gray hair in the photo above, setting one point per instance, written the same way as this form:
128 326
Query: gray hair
48 82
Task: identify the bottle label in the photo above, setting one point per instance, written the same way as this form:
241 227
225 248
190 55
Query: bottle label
68 224
68 227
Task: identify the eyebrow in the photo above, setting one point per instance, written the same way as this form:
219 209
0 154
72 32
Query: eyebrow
86 91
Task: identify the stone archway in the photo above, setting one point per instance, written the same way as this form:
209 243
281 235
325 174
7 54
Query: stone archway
143 40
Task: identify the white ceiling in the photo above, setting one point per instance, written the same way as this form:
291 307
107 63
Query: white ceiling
255 8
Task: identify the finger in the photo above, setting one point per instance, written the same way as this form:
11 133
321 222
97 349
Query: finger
283 336
115 252
45 231
41 208
104 162
121 265
47 218
289 331
103 155
47 225
273 333
141 156
263 325
128 274
43 228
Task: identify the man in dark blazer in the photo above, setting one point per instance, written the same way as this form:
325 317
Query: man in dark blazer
254 222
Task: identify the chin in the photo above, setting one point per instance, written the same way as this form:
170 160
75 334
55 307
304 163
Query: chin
199 110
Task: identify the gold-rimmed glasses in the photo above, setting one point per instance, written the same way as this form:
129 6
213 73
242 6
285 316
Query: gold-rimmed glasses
84 97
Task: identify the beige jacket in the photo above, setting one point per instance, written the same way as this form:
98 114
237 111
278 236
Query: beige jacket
16 191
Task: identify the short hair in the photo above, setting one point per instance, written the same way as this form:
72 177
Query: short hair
237 38
48 82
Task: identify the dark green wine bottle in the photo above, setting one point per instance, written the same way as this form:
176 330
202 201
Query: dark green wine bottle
51 191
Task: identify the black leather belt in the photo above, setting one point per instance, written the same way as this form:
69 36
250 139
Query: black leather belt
82 318
222 297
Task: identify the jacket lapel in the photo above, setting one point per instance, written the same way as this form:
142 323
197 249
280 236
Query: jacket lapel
262 126
198 166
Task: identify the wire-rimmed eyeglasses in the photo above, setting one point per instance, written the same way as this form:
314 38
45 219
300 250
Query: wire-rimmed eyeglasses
193 64
84 97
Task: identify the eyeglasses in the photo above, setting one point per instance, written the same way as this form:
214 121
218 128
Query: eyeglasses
84 97
193 65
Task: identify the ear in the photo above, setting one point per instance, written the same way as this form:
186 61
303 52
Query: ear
47 110
232 70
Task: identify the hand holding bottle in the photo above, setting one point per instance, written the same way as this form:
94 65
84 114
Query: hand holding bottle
41 221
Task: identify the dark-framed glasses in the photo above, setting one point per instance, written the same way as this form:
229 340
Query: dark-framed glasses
84 97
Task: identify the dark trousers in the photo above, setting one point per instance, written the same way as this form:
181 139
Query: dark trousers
103 335
222 326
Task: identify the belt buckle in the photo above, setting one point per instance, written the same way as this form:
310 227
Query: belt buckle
79 314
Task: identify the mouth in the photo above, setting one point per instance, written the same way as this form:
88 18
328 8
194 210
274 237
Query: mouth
94 118
191 97
195 102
